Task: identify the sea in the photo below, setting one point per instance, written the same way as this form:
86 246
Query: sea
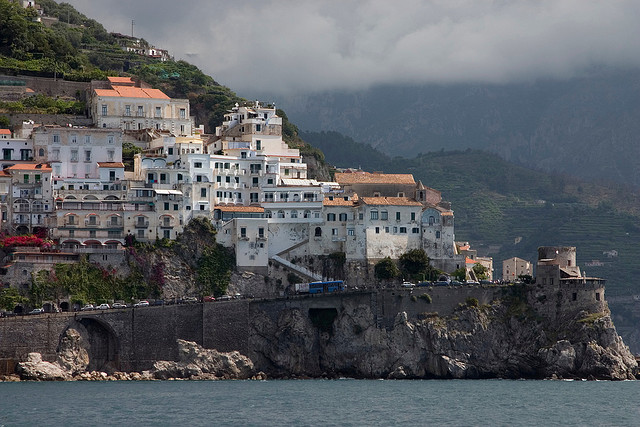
342 402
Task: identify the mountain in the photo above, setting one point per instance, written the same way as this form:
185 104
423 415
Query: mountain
586 127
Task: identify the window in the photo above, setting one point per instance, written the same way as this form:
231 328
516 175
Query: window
26 178
243 232
343 217
334 231
597 296
258 145
403 230
437 234
360 216
413 216
227 179
574 296
6 153
351 232
37 178
166 234
183 113
41 152
280 214
104 109
286 171
397 216
170 151
261 232
158 112
254 182
415 230
318 232
374 215
87 139
384 215
331 217
110 139
203 192
166 206
377 230
258 127
110 155
197 164
56 139
87 155
127 110
294 214
175 206
140 111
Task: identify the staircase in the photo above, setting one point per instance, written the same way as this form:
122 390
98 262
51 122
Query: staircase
298 269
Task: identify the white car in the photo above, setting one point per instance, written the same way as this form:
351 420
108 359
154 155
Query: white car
88 307
119 305
141 304
103 307
407 285
37 311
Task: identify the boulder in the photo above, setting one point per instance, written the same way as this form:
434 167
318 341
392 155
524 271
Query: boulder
200 363
72 356
36 369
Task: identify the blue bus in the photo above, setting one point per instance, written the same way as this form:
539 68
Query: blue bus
326 287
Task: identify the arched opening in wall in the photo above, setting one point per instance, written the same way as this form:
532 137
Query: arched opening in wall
23 229
318 232
101 343
18 309
64 306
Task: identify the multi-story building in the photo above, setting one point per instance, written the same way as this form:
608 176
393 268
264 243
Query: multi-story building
30 200
86 158
128 105
515 267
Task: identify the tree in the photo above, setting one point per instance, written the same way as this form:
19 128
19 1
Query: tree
386 269
10 297
214 270
526 278
480 271
414 262
460 274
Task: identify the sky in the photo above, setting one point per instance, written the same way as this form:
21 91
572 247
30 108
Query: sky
299 46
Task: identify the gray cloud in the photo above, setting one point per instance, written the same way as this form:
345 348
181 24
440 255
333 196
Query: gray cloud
303 46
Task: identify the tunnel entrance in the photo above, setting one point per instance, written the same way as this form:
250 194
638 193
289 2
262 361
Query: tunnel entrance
101 344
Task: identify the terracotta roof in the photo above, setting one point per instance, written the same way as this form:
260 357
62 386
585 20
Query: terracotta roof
340 201
390 201
30 166
110 164
4 173
470 261
132 92
256 209
120 80
5 132
374 178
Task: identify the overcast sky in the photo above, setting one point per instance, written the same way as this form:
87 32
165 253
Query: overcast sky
300 46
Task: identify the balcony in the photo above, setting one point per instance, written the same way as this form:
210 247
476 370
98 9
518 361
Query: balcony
142 224
90 223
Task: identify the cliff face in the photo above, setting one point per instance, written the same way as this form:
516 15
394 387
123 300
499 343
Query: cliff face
488 341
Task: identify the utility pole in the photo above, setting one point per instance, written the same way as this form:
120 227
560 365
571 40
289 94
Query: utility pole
132 22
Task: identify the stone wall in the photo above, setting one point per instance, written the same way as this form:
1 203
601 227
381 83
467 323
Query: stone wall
132 339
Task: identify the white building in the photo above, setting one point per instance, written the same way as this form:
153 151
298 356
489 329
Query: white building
129 107
514 267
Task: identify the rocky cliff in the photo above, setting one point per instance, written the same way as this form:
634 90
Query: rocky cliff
497 340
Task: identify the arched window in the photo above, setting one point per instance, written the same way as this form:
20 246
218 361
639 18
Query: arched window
307 214
41 152
280 214
294 214
318 232
432 220
267 214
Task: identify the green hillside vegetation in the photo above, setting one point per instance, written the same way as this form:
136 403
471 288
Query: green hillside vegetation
505 210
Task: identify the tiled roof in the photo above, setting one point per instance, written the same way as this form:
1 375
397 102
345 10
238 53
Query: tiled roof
340 201
110 164
390 201
120 80
31 166
374 178
132 92
256 209
5 132
470 261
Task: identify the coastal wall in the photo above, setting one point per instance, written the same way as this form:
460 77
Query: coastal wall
271 331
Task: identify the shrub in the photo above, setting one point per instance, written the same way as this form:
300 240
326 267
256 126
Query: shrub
426 298
472 302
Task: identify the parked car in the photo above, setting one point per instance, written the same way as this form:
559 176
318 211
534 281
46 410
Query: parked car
158 302
224 298
407 285
423 284
141 304
208 298
441 283
103 307
455 283
88 307
486 282
37 311
472 282
118 305
189 300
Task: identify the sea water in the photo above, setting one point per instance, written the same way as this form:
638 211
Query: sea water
322 402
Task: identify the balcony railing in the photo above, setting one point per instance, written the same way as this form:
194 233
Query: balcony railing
142 224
